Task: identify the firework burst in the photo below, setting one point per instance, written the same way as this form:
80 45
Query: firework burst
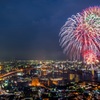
81 33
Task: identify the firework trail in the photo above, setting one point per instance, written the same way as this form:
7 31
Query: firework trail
80 34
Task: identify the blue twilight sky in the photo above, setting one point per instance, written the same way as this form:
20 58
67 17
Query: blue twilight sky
29 28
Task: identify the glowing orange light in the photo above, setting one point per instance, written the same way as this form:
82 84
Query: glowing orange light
35 82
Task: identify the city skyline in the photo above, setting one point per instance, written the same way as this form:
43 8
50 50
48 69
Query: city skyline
29 29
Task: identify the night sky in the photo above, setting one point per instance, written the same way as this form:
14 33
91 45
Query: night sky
29 29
